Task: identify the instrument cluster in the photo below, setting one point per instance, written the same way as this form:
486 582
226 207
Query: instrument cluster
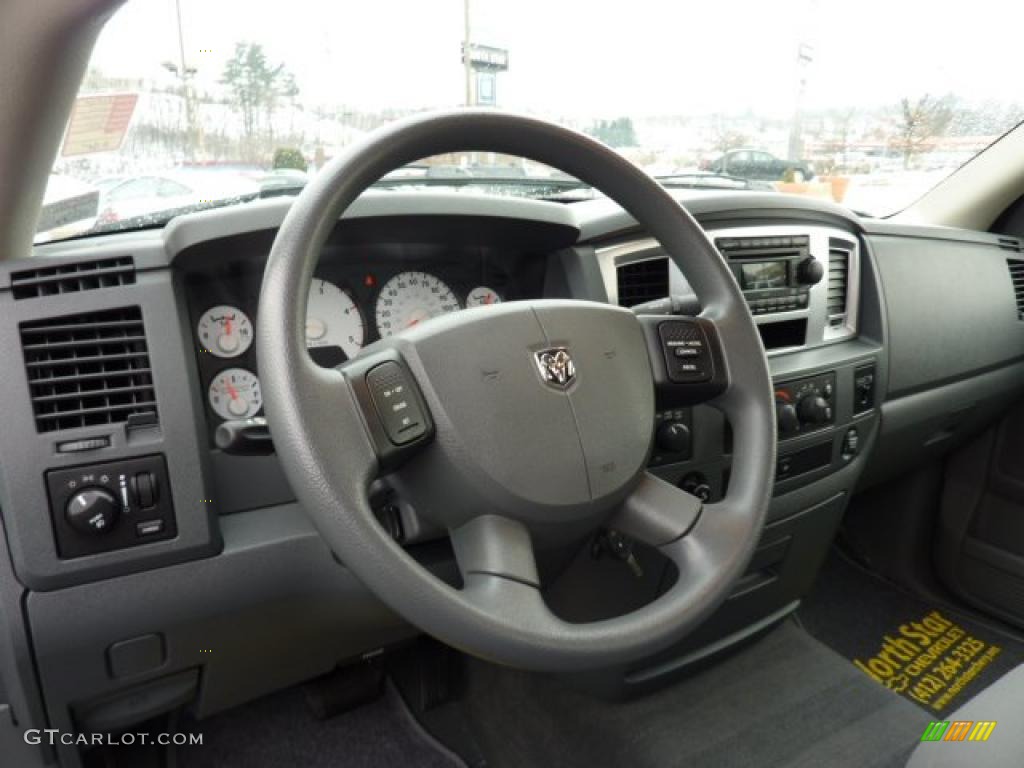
345 312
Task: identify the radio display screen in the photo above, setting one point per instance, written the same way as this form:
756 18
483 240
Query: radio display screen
764 274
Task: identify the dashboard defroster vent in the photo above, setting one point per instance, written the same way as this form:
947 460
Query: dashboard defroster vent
838 273
89 369
72 278
1011 244
641 281
1016 267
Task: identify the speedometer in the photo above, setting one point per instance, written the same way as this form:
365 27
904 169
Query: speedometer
410 298
333 319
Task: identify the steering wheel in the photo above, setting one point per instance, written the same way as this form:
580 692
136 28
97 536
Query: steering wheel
519 423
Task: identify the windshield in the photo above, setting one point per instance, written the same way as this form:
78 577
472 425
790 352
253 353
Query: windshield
197 103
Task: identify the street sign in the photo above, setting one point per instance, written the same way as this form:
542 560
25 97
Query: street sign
98 123
486 89
486 58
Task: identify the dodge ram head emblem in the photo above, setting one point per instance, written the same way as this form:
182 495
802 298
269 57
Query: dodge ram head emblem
556 366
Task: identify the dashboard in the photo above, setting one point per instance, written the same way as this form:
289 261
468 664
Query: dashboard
129 351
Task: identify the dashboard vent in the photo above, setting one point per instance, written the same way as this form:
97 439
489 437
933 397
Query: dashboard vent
72 278
90 369
838 272
1011 244
641 281
1016 267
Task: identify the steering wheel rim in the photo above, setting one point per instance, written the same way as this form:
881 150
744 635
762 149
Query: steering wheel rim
326 445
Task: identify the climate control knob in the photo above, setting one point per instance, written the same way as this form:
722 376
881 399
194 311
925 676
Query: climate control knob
810 271
92 510
788 421
814 409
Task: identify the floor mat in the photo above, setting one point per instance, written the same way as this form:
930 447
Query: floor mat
786 700
928 654
278 732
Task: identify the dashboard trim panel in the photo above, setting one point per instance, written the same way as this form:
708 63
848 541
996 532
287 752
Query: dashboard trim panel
819 332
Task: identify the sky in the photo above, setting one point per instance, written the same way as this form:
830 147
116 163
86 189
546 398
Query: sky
581 59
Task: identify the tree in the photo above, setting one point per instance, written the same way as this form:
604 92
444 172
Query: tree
843 126
256 86
289 157
921 120
615 133
723 138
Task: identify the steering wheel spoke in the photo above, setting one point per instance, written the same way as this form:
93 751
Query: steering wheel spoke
497 547
656 512
391 403
687 358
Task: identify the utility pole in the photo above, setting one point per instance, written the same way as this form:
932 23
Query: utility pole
467 58
185 74
804 58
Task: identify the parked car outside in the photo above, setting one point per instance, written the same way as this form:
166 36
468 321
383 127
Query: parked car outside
760 165
141 195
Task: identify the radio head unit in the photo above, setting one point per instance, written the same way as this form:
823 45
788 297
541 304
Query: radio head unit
775 273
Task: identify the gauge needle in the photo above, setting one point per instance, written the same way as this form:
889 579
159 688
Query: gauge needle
232 392
227 325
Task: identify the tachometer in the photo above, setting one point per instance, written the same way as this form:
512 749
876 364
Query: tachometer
235 394
225 331
333 319
410 298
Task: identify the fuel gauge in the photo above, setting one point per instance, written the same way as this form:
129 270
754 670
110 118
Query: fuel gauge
482 296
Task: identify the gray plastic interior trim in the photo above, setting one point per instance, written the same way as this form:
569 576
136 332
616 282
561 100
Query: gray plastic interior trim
939 332
819 331
644 675
193 228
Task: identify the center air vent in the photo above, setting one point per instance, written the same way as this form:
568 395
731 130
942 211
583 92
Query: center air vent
1016 267
641 281
90 369
71 278
838 273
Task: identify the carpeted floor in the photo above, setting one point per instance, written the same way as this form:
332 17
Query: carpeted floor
932 656
279 732
787 700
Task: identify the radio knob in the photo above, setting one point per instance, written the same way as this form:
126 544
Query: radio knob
785 414
814 409
810 271
673 437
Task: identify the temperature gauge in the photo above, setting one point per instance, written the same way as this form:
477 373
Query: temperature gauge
225 331
482 296
235 394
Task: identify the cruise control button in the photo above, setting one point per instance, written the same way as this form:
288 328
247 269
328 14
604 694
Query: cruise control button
396 405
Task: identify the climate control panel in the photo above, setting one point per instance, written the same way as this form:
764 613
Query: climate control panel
805 405
102 507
